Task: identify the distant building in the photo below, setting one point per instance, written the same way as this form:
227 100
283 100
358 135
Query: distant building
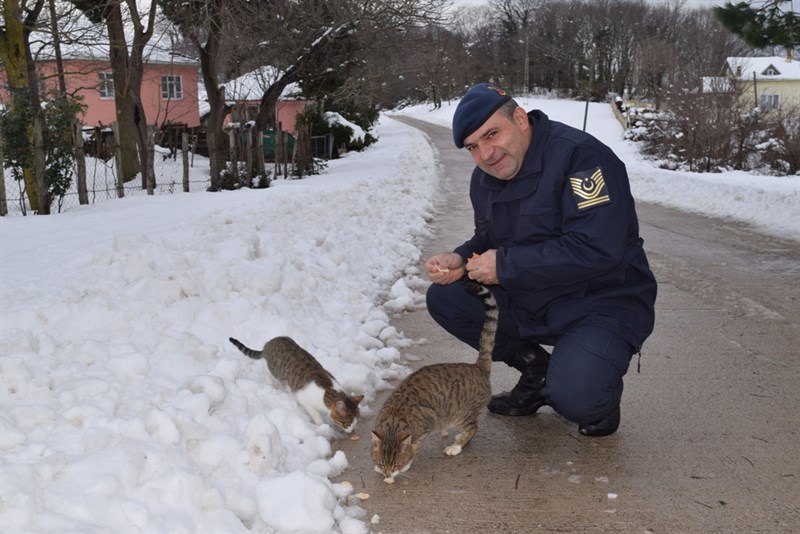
168 92
243 95
765 82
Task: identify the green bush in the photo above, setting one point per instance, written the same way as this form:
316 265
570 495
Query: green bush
59 146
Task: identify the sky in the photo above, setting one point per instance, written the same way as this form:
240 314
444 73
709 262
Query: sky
124 408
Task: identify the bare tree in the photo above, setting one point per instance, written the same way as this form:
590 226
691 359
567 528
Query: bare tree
322 45
127 65
517 17
318 44
205 24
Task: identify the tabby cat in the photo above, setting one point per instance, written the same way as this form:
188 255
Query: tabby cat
315 388
436 397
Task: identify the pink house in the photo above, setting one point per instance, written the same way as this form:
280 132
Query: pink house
244 94
169 88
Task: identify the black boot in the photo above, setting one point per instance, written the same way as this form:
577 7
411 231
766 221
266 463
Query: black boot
604 427
525 398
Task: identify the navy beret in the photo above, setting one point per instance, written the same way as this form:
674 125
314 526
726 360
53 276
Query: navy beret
478 104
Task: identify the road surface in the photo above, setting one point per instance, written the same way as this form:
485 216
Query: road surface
709 435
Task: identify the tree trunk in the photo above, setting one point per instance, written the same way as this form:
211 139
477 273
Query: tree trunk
39 164
150 166
129 137
118 162
3 202
209 53
248 143
14 52
185 159
80 160
62 82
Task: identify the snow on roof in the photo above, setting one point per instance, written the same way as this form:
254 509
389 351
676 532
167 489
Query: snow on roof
766 68
249 87
253 85
92 43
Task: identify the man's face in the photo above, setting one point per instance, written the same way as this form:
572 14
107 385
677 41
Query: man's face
499 145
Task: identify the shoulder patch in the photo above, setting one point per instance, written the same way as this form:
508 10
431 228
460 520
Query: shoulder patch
589 189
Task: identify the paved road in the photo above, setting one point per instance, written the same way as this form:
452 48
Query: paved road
709 434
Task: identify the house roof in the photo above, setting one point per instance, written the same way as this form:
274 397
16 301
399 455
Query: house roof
766 68
90 42
253 85
249 87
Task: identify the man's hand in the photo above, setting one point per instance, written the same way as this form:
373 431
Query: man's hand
445 268
483 268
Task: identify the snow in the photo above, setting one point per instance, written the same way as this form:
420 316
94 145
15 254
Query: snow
123 407
252 85
772 68
331 117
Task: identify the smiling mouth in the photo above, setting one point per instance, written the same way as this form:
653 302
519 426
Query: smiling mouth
492 164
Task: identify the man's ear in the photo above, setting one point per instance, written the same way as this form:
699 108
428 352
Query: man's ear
521 118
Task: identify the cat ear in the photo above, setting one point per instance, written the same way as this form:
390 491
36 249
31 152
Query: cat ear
340 408
405 439
377 437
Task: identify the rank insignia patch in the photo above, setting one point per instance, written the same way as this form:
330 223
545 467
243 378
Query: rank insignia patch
589 189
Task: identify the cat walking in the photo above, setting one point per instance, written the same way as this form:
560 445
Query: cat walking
315 389
436 398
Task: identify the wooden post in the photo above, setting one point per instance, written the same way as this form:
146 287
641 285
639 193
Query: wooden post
118 162
233 166
149 166
277 150
39 164
248 146
185 157
285 152
262 162
195 141
80 161
211 141
3 201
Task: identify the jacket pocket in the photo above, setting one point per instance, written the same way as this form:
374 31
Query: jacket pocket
534 225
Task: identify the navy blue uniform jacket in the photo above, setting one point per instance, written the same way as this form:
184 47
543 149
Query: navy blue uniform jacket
567 238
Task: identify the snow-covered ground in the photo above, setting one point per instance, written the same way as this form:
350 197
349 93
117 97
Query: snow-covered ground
123 408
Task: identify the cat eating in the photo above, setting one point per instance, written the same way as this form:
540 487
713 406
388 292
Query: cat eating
436 397
314 387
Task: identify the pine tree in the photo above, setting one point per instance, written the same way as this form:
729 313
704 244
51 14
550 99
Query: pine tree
774 23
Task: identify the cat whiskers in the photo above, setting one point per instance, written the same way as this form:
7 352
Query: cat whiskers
393 478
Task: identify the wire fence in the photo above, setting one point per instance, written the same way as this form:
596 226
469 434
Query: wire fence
172 173
101 183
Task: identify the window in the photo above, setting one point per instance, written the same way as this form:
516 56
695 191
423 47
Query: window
770 101
771 71
171 87
106 85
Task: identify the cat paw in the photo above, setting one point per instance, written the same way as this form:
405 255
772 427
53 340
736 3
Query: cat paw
453 450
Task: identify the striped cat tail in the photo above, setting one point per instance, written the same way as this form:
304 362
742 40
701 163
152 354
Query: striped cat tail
486 342
254 354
